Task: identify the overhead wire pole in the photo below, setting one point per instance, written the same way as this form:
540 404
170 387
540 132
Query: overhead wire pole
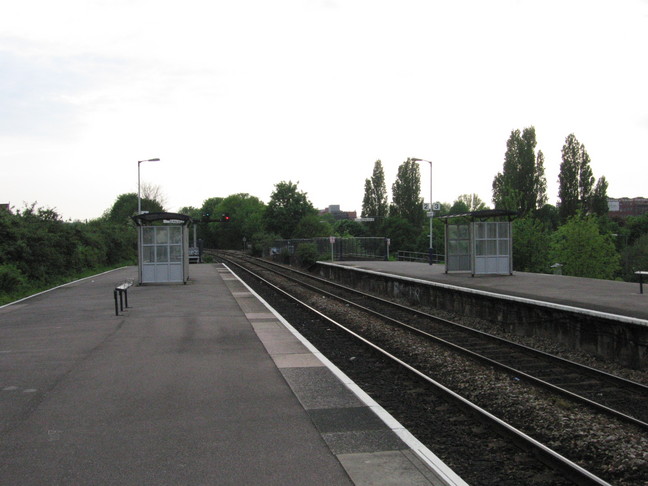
431 213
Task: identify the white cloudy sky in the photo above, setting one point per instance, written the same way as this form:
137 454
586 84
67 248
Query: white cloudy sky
236 96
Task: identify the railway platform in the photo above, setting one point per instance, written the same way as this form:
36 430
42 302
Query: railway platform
190 384
622 299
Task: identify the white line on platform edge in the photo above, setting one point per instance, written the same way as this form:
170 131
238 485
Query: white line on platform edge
426 455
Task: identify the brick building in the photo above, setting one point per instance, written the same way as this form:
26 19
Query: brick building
334 210
625 206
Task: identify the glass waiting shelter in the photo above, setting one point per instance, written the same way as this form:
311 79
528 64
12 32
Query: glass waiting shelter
479 242
163 247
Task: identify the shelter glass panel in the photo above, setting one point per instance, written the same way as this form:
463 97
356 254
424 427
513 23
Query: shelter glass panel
486 247
148 254
175 253
458 239
162 236
503 247
175 235
148 235
161 254
480 230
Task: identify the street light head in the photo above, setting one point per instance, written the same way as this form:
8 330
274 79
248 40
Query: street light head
148 160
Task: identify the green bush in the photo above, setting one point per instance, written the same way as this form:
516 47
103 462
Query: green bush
11 279
307 254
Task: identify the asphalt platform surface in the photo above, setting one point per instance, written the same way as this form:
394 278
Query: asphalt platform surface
192 384
585 294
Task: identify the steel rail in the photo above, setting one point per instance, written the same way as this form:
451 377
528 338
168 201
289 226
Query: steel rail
599 374
543 453
509 369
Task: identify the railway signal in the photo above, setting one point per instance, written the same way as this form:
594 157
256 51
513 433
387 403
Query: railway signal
206 218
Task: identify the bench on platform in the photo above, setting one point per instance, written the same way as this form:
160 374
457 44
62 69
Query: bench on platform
122 290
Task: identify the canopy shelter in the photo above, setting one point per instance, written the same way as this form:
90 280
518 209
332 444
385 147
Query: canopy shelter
479 242
163 247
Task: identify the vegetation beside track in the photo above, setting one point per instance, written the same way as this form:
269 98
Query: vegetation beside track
38 250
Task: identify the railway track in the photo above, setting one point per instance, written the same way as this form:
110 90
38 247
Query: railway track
540 369
607 393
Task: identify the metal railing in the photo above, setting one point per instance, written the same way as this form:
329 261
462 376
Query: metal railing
340 249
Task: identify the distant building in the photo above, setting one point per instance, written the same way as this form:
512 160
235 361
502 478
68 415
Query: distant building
334 210
625 206
5 207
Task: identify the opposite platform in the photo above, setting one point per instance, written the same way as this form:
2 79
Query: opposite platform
606 296
193 384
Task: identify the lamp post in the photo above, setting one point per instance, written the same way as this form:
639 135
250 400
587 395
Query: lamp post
139 201
431 214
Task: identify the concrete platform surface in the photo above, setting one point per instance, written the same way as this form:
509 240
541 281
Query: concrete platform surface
606 296
192 384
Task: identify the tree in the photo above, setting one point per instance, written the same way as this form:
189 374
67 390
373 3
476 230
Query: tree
521 186
599 204
459 207
310 226
191 211
38 248
635 257
246 220
548 215
471 202
206 231
406 200
402 233
540 182
374 202
153 192
583 251
286 208
125 206
209 208
576 182
531 245
349 228
635 226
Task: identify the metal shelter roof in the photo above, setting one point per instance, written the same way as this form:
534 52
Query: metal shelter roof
149 218
483 214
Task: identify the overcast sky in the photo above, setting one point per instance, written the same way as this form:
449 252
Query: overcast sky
236 96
